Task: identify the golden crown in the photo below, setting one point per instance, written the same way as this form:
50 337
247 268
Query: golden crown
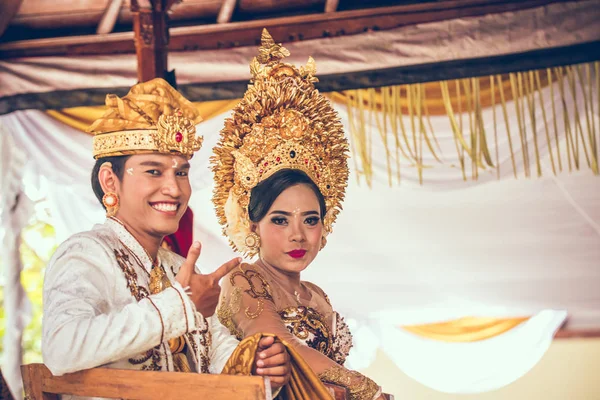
152 118
283 122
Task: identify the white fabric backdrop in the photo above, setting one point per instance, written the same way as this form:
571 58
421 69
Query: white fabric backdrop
405 254
15 210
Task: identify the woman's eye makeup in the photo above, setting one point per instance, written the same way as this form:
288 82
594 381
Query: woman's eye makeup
279 220
312 220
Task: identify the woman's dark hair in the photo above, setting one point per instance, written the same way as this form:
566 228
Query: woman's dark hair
265 193
118 167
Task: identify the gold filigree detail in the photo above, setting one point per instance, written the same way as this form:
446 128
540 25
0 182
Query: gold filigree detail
359 386
283 122
152 118
342 340
228 309
260 293
159 280
131 278
308 325
269 51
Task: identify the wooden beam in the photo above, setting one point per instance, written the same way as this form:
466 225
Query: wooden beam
151 39
8 10
331 6
207 37
107 23
226 12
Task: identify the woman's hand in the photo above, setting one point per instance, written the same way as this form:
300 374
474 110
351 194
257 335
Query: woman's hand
272 360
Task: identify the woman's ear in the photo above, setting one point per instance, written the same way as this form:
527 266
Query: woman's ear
254 228
108 179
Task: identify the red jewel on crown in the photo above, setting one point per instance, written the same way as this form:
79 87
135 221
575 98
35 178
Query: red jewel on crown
178 137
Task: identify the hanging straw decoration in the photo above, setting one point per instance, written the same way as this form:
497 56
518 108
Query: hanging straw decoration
401 117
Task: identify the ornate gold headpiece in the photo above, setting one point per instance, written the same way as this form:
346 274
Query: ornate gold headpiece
283 122
152 118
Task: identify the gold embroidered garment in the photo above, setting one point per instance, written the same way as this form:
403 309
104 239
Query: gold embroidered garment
253 301
304 383
100 310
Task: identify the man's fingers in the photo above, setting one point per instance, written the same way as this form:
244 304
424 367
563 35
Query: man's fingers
225 268
192 256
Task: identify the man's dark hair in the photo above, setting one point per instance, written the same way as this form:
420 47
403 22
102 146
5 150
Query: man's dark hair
118 167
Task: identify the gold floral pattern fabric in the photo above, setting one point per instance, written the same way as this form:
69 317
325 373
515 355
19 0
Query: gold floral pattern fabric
308 325
252 301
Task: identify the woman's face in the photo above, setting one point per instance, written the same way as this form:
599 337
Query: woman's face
154 193
290 233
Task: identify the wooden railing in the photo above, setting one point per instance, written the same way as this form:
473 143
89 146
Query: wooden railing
40 384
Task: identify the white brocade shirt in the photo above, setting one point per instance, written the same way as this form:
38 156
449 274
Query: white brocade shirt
98 311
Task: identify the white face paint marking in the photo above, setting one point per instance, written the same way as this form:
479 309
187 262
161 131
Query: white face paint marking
175 163
130 171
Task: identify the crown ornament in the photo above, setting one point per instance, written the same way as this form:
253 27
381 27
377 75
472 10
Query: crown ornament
282 122
152 118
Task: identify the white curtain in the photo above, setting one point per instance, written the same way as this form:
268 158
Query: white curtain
15 210
404 254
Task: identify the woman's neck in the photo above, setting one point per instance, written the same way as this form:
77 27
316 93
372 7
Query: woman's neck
288 279
148 242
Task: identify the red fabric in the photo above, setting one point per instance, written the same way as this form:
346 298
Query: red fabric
181 241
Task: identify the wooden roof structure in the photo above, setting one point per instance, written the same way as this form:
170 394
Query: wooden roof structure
152 28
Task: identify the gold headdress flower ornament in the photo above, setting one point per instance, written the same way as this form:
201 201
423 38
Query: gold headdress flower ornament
283 122
152 118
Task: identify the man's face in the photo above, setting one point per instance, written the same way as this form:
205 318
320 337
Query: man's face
154 193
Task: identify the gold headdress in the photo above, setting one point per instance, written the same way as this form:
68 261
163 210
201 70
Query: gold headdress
152 118
282 122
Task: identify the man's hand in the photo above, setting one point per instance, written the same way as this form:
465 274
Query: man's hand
204 289
272 360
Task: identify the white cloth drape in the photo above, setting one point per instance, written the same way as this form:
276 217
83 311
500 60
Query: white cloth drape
15 210
405 254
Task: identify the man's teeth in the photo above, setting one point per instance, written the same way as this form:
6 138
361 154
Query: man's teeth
165 207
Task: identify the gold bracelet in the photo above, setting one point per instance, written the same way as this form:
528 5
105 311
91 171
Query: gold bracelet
359 386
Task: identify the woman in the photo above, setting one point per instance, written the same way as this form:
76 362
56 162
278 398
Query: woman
113 297
280 173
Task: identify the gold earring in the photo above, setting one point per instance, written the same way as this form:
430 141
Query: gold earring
253 241
111 202
323 242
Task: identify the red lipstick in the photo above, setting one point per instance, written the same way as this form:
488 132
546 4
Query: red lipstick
297 253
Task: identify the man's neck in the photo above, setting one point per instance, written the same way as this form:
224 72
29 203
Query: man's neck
148 242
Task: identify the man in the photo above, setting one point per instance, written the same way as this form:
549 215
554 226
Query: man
113 297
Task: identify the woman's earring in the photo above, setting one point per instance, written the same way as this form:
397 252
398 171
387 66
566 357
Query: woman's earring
253 241
323 242
111 202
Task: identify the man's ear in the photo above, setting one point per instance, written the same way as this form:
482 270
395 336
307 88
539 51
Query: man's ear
108 179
